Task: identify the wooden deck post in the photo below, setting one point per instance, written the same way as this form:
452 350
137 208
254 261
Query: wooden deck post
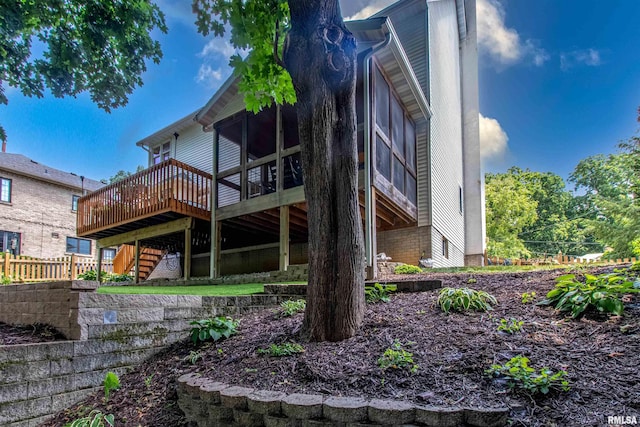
187 253
284 238
137 260
99 263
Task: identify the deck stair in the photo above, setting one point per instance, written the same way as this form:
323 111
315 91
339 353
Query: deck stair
124 261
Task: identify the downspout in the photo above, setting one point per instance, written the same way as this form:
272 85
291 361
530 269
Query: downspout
369 221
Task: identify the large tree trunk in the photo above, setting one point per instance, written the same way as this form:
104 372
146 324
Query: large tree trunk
320 55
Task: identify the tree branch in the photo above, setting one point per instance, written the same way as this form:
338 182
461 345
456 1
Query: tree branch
276 42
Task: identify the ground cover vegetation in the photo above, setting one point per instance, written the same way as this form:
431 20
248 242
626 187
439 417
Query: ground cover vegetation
556 370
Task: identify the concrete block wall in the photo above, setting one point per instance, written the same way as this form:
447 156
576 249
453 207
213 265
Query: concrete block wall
208 403
114 333
405 244
47 303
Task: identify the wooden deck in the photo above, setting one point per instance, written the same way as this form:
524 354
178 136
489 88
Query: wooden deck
166 191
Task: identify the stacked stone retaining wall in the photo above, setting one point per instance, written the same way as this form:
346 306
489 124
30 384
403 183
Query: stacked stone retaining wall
111 332
207 403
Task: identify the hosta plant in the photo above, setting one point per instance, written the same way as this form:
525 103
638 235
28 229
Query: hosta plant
603 293
520 375
213 329
95 419
463 299
377 293
397 357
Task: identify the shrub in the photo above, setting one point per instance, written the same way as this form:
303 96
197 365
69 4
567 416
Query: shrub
602 292
462 299
92 275
635 266
111 382
407 269
114 277
397 357
291 307
4 280
213 329
510 326
377 293
95 419
284 349
519 374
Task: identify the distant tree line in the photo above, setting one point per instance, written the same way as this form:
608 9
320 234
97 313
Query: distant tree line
532 214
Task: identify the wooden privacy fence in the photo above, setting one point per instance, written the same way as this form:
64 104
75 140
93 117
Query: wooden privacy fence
27 269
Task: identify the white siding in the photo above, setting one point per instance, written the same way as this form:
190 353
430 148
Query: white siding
195 147
446 132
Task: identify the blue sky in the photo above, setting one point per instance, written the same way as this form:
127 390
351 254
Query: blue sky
559 81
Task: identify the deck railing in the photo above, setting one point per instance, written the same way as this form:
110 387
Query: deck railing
171 186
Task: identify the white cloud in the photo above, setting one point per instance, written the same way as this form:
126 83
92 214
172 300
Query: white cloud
218 46
209 76
493 139
502 44
589 57
361 9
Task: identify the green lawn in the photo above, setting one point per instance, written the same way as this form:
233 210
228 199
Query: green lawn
209 290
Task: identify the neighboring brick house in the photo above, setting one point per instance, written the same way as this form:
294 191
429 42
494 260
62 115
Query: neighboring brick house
38 209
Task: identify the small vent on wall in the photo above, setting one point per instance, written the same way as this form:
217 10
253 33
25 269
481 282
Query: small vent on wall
55 235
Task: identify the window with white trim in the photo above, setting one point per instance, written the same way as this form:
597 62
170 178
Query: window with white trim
161 153
5 190
74 203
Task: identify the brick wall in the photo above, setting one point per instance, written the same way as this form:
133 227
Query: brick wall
39 211
405 244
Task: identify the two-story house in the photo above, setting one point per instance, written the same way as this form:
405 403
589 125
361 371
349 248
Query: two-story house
225 187
38 208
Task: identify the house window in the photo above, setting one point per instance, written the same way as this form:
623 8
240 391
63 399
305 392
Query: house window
74 203
108 254
5 193
10 242
395 140
161 153
78 246
445 247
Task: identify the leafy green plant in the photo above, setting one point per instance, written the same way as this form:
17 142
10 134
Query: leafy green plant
213 329
397 357
95 419
407 269
472 280
92 275
114 277
4 280
635 266
462 299
148 381
602 292
111 382
284 349
528 297
193 357
377 293
291 307
510 326
520 375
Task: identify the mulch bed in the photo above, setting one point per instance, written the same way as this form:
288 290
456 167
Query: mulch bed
601 355
29 334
